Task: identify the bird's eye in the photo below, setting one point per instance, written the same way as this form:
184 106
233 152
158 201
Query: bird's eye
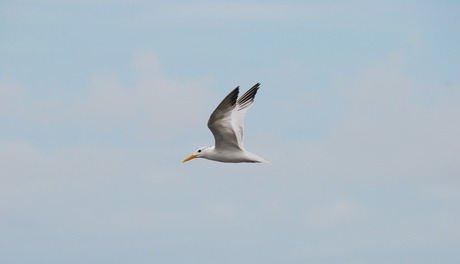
199 150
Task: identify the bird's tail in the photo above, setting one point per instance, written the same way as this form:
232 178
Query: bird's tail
258 159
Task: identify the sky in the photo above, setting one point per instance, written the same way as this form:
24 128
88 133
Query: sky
358 112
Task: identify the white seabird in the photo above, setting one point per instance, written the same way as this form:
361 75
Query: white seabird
226 124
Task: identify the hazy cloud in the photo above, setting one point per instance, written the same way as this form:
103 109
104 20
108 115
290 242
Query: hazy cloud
332 214
358 113
153 105
386 132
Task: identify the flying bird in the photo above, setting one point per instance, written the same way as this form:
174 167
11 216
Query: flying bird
226 124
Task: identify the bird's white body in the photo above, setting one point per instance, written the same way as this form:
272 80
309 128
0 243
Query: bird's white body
226 124
230 156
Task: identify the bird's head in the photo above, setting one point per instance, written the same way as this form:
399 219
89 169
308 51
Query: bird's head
199 153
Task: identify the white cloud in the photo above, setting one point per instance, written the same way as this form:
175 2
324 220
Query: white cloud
225 211
333 214
154 105
9 94
385 132
89 189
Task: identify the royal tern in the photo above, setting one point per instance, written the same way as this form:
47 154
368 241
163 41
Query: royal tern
226 124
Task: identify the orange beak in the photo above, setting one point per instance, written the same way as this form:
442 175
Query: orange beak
189 158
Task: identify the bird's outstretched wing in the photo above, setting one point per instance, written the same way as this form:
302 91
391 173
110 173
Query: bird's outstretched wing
226 122
242 105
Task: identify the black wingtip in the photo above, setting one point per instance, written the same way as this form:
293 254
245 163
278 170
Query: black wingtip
247 98
231 98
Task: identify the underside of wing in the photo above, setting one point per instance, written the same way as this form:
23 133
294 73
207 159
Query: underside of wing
221 125
243 104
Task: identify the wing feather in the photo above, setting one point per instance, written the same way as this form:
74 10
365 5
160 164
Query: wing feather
227 121
243 104
220 122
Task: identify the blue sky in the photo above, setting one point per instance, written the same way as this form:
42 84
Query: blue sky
358 111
